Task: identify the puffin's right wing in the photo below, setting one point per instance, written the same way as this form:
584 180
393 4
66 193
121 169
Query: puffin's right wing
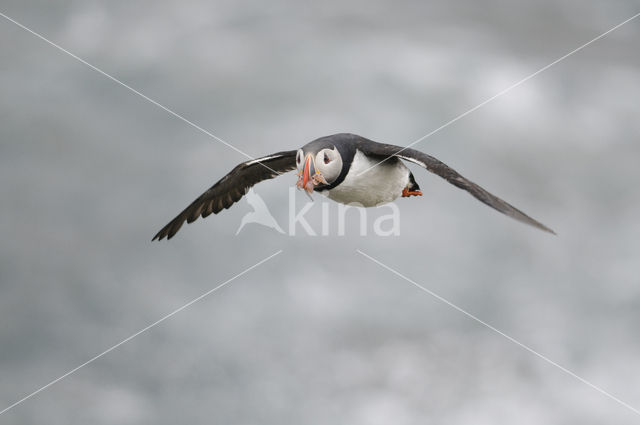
231 188
438 167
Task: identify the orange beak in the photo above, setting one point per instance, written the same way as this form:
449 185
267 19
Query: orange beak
307 172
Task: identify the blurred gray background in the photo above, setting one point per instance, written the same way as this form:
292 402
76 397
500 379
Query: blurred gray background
318 335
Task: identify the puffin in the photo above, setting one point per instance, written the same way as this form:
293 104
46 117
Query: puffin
346 168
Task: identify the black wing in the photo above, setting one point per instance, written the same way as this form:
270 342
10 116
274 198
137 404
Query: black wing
229 189
452 176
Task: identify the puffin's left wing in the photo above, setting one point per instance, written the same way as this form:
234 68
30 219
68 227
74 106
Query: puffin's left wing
432 164
231 188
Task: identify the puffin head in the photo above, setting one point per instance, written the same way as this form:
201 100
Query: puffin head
323 163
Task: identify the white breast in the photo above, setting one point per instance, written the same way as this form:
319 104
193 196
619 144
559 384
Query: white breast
380 185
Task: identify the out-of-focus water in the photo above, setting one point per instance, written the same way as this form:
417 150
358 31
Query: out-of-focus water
319 335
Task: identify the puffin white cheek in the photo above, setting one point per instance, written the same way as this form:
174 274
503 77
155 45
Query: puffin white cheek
299 160
337 166
331 171
329 164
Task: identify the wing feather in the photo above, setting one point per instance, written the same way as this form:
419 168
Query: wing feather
441 169
230 189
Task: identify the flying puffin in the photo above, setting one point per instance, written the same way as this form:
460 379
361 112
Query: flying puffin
346 168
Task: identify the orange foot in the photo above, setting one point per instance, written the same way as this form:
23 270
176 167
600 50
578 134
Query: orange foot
406 193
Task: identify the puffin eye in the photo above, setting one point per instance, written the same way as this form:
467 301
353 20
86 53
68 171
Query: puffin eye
299 157
326 158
